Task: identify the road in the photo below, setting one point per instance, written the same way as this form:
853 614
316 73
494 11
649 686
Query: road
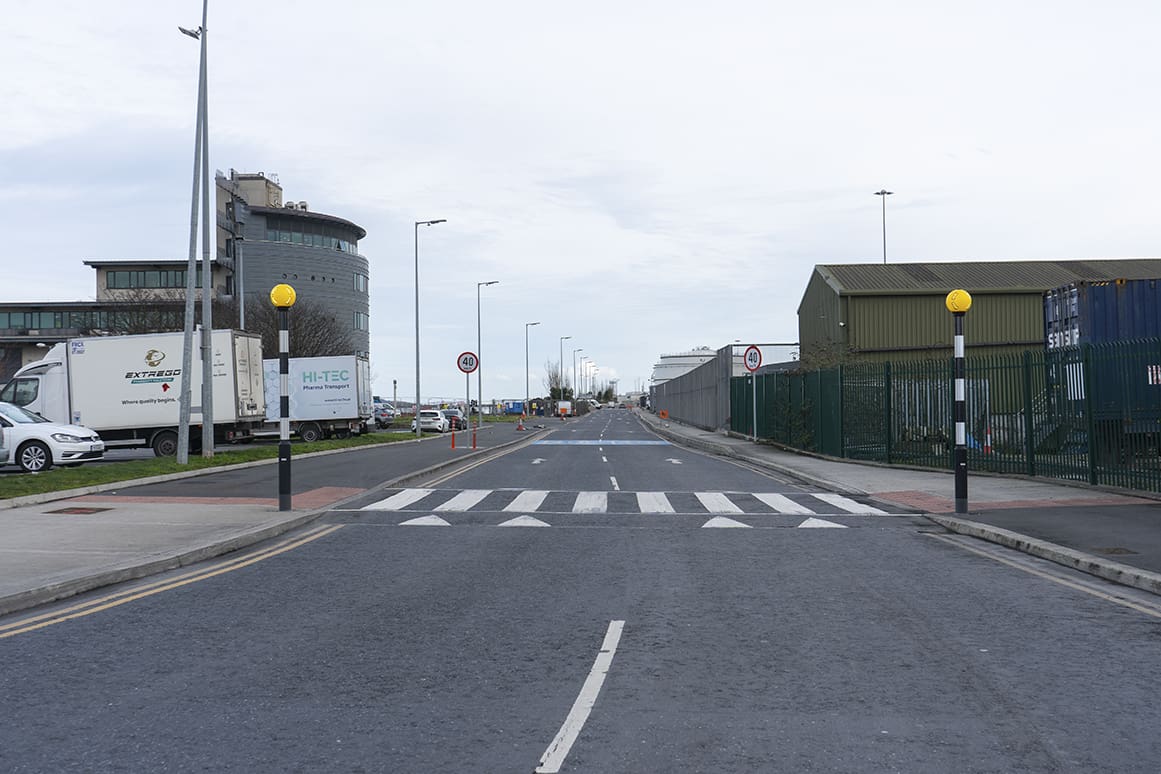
625 634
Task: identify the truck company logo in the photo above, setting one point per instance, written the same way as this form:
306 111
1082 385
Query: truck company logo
154 357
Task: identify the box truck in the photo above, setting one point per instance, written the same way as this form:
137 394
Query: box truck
327 396
128 388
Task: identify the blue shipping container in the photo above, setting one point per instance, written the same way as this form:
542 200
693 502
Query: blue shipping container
1101 312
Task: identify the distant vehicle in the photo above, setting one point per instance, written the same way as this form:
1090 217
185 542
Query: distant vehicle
36 444
564 408
384 414
431 420
456 419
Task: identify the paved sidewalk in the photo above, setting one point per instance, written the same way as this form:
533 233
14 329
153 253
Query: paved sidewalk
1113 535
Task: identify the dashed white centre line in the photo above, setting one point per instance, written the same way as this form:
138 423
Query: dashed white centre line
604 458
616 486
557 751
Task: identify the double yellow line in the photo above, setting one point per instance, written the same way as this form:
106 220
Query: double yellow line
110 601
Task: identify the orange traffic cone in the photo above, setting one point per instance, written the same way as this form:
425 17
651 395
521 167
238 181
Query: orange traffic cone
520 424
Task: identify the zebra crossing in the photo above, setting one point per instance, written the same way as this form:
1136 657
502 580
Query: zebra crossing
528 501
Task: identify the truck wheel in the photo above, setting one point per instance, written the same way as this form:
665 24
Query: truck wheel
165 444
310 432
34 457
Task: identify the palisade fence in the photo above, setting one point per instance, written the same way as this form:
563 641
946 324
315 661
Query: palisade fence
1090 413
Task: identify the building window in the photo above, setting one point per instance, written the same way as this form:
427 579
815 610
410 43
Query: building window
361 282
362 321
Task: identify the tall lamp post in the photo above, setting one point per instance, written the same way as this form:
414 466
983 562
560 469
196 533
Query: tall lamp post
575 391
418 223
584 371
560 370
526 396
883 194
480 357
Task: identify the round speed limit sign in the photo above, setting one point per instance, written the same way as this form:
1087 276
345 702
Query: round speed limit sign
752 359
468 362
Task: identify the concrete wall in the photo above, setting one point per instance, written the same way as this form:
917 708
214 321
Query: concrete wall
700 397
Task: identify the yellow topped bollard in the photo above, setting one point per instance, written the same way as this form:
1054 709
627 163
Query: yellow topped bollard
283 296
958 301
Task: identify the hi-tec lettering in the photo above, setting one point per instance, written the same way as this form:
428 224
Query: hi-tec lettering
340 375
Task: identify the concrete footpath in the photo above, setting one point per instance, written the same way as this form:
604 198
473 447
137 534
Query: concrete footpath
56 546
1078 526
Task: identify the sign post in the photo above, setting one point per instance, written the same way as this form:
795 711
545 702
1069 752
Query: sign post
752 359
467 362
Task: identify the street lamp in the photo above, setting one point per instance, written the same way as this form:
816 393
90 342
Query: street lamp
526 396
479 357
584 372
883 194
575 391
419 223
560 370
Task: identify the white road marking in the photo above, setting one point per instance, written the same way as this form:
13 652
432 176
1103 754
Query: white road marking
538 460
399 500
847 504
558 749
529 500
781 503
604 458
425 521
653 502
591 502
673 460
524 521
464 500
616 486
813 523
716 502
723 522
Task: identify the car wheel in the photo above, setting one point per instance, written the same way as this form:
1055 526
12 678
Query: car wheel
34 457
310 432
165 444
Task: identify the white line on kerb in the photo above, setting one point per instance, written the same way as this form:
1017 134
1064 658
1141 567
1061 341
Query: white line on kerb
557 751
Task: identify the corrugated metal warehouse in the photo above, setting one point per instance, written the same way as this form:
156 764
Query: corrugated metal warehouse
896 311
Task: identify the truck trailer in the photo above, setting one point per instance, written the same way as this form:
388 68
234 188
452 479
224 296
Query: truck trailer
128 388
327 396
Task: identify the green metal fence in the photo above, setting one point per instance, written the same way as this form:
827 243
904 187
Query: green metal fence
1090 413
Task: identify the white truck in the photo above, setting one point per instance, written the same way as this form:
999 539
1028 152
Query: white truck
128 388
327 396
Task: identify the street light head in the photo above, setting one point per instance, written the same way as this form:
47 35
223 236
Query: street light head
884 192
430 222
195 34
485 284
535 323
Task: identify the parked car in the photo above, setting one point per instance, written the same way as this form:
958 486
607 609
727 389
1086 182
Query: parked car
384 414
36 444
456 419
431 420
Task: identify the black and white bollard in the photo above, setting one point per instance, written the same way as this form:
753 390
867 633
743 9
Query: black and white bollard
958 302
283 297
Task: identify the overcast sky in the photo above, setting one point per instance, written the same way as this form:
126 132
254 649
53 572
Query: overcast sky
644 177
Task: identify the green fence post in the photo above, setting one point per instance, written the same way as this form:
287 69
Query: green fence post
1029 419
887 408
1090 422
842 415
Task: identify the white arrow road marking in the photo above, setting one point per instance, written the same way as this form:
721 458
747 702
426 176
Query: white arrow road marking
653 502
524 521
527 501
557 751
722 521
464 500
716 502
674 461
425 521
781 503
847 504
813 523
538 460
591 502
399 500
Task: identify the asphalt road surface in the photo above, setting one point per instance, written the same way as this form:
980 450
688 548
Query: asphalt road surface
609 627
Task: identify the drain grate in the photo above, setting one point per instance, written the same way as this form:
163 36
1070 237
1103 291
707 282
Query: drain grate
1114 551
78 510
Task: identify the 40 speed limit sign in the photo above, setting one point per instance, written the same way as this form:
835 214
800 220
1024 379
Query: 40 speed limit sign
468 362
752 359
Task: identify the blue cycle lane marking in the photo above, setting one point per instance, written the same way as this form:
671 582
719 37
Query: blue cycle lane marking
600 443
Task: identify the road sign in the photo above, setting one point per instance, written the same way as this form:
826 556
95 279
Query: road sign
753 358
468 362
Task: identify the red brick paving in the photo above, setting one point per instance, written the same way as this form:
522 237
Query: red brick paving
315 498
930 503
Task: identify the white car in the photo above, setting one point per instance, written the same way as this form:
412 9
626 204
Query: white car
431 419
36 444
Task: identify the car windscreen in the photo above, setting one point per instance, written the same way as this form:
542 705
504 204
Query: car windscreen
19 415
